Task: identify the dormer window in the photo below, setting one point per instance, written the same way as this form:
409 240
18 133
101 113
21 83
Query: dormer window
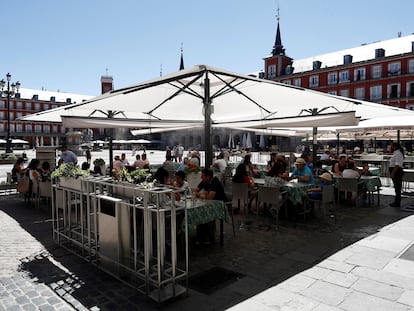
271 71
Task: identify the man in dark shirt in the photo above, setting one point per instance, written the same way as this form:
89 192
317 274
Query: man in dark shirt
210 188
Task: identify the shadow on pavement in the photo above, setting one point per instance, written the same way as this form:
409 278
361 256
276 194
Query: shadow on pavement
264 253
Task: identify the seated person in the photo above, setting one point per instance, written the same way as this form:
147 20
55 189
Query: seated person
340 166
18 171
316 193
212 189
365 170
241 176
162 176
180 182
351 171
279 169
302 172
318 170
45 171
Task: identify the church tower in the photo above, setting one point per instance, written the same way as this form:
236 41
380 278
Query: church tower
106 83
278 63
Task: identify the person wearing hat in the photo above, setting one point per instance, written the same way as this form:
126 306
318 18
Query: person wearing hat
316 193
68 156
302 172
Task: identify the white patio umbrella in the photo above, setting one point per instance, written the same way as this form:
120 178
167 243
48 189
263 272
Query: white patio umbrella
243 142
262 143
187 98
230 143
249 141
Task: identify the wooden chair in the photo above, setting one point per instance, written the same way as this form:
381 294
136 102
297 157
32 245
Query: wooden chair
273 198
328 199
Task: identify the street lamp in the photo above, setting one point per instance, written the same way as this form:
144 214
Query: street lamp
9 93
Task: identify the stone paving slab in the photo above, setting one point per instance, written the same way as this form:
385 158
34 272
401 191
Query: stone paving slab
292 266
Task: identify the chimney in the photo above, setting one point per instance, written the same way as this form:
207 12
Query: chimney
52 99
379 53
68 100
316 65
347 59
35 97
106 84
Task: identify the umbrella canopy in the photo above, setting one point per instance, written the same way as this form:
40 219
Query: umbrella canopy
249 141
207 96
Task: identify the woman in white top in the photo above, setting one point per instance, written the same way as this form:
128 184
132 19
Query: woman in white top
397 172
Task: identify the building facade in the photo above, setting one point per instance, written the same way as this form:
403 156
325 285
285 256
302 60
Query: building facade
381 72
30 101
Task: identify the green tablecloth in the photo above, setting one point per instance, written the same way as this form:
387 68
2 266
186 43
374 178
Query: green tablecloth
204 211
296 192
371 183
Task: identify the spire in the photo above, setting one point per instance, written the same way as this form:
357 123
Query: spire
278 47
182 58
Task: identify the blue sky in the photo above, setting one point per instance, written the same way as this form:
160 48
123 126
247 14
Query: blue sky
67 45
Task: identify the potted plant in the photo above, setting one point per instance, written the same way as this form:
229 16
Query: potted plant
99 162
67 174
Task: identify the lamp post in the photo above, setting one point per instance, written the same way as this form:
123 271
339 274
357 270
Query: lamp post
9 93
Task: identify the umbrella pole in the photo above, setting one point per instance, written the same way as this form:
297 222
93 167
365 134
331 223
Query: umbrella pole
314 145
207 123
111 152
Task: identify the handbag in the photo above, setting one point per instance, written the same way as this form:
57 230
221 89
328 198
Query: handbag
23 185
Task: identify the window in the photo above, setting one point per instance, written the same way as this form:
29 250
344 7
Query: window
38 128
313 81
271 71
2 117
333 92
298 82
11 115
54 128
376 71
360 93
1 127
19 105
394 68
359 74
37 106
28 128
28 106
344 93
54 106
11 105
46 129
344 76
393 90
19 128
2 105
286 82
332 78
376 92
410 89
411 66
19 114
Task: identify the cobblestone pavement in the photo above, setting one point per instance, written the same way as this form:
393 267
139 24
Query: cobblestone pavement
37 274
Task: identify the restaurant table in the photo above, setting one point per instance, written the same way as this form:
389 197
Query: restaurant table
296 191
408 178
204 211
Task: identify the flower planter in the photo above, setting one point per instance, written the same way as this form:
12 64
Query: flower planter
71 183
